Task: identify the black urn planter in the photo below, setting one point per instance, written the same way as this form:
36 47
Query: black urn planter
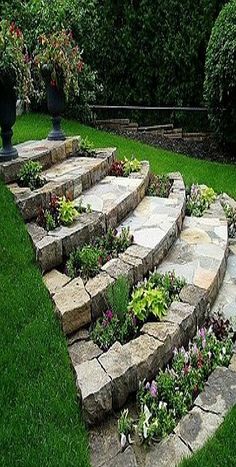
7 120
56 106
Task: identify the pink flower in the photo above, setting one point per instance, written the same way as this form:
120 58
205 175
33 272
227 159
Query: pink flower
202 333
109 315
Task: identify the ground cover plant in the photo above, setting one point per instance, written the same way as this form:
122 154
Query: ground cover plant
159 185
149 300
40 416
88 260
30 175
60 211
199 199
163 401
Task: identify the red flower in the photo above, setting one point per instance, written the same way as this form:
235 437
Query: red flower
53 82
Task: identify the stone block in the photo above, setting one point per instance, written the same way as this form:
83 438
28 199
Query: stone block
116 268
219 394
83 351
145 254
97 289
123 459
167 333
196 427
119 365
137 265
147 354
167 453
49 252
94 386
80 335
198 298
55 280
184 315
73 306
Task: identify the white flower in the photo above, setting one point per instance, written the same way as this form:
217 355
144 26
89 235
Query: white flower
145 430
224 351
147 413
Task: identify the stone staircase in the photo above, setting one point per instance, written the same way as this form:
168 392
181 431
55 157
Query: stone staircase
196 248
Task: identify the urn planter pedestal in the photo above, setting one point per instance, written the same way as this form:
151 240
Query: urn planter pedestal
7 120
56 106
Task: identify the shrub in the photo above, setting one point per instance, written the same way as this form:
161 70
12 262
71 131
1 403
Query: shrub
199 198
30 175
131 165
84 262
220 75
66 210
117 169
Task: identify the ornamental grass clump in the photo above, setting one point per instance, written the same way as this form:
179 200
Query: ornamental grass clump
59 61
14 61
199 199
163 401
116 324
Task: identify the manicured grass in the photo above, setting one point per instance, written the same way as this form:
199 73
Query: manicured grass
220 450
40 422
221 177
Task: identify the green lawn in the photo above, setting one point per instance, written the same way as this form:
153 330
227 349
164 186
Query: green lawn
221 177
40 421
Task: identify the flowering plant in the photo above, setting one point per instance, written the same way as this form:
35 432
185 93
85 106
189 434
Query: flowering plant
60 211
14 60
59 61
166 399
199 199
159 185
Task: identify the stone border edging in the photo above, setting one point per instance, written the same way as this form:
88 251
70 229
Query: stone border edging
104 383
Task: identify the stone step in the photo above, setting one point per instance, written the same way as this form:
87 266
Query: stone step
167 126
155 224
200 254
44 151
110 200
67 178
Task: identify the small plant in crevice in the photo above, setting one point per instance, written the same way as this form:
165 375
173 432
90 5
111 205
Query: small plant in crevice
86 147
116 324
125 428
159 185
199 199
230 213
125 168
30 175
163 401
60 211
98 253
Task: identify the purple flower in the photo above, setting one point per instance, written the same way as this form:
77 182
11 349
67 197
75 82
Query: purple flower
153 389
109 315
202 333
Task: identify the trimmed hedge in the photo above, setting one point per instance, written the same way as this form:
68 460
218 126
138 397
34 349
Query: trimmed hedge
220 81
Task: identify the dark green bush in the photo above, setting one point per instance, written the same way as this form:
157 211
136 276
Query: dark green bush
220 80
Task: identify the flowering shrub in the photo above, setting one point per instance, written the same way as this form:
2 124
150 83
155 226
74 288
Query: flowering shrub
60 211
30 175
14 60
116 323
166 399
199 198
59 60
103 249
159 185
125 168
230 213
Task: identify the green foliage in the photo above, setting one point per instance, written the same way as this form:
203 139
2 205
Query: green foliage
220 77
117 324
230 213
86 145
84 262
159 185
113 243
131 165
14 60
118 298
67 212
199 198
30 175
146 301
